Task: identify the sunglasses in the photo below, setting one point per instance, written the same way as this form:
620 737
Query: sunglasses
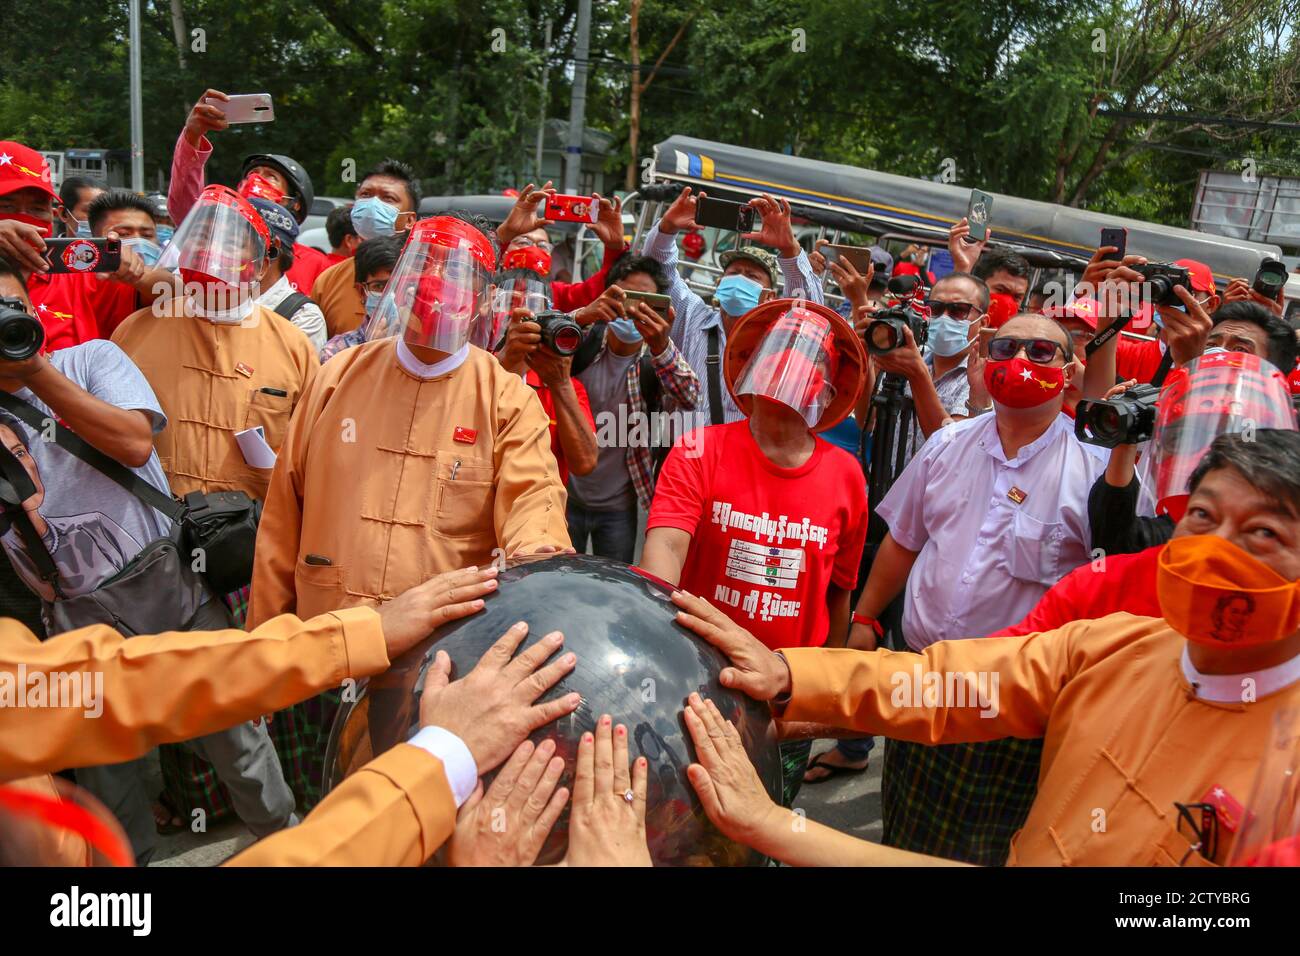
1039 351
958 310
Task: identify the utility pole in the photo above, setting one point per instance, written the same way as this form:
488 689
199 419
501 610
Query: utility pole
137 113
541 113
578 102
634 114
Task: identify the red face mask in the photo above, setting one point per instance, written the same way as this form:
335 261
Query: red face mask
1019 383
259 186
1002 308
528 257
44 227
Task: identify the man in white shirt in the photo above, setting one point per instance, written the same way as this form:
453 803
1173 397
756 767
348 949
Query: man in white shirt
989 514
279 295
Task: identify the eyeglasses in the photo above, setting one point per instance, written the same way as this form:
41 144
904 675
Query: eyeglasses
375 285
545 245
1039 351
1204 824
958 310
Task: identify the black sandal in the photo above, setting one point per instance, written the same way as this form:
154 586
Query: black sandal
835 770
175 825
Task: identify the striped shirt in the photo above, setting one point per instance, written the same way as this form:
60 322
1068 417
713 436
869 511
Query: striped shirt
694 317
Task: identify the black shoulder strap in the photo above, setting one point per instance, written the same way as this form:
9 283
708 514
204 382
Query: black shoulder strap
652 390
36 549
714 375
1166 363
77 446
589 348
291 303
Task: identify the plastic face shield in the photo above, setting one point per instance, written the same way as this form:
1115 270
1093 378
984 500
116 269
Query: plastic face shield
515 292
220 240
47 821
794 365
1220 394
435 297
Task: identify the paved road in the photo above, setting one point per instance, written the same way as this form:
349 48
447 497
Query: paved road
848 803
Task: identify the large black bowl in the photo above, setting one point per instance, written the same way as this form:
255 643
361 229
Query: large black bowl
634 662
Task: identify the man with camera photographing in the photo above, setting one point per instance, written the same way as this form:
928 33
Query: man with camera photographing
749 277
529 352
73 307
987 516
90 529
1240 326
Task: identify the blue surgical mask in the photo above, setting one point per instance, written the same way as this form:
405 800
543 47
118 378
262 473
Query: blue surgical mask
948 336
737 294
625 331
372 217
165 234
1212 349
372 300
83 229
146 249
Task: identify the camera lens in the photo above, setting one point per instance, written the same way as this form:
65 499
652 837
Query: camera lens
883 336
566 340
21 336
1106 423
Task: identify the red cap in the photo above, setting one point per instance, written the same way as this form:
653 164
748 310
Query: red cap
21 167
452 232
693 243
1202 277
1085 310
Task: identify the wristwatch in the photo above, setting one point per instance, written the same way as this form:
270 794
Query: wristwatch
867 621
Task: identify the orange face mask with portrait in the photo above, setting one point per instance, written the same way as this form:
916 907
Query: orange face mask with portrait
1214 593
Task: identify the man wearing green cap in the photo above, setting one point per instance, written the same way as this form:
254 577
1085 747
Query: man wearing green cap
749 276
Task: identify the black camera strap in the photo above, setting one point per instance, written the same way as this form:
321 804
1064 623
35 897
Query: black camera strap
1105 335
20 483
78 447
713 371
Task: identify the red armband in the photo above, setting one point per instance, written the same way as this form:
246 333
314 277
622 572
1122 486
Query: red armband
870 622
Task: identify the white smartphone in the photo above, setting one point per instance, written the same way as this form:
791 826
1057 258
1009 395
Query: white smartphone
246 108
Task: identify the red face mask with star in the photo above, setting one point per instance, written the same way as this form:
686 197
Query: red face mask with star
1019 383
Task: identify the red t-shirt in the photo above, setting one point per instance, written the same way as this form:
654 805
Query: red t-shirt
548 403
1139 360
1124 582
308 263
766 542
76 307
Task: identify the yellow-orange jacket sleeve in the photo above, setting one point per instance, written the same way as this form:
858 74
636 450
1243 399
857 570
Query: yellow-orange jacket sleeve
935 697
168 687
530 498
395 811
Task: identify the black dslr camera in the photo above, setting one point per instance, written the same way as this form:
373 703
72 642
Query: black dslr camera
21 336
560 333
1162 277
904 308
1125 419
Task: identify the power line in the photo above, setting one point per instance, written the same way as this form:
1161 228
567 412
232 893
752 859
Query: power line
1206 120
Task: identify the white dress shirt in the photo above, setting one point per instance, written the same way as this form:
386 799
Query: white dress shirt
985 560
309 317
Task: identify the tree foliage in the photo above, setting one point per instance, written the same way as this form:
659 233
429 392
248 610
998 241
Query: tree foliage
1020 97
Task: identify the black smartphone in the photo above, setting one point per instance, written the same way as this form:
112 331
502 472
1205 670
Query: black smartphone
724 214
83 255
1115 237
1270 279
979 212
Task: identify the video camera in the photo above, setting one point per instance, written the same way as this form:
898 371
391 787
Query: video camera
560 333
1162 277
21 336
904 308
1126 419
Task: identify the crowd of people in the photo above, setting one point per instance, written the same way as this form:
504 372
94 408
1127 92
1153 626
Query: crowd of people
239 473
